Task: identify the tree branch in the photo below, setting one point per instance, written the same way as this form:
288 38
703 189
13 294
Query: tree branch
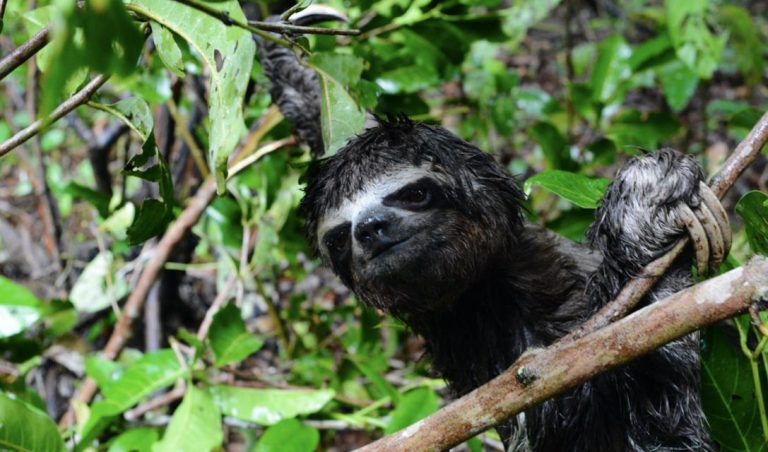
23 52
565 365
70 104
744 154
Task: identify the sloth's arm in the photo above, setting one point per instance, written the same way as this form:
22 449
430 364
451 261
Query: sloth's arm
654 200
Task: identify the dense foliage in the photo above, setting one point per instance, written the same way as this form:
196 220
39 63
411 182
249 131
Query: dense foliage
561 91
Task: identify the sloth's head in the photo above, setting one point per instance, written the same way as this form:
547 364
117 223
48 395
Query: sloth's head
409 215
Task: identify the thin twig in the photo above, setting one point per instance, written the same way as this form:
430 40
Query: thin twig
24 52
162 400
218 302
565 365
302 29
70 104
744 154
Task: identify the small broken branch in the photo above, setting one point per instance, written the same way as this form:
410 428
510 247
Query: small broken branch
632 292
24 52
564 365
68 105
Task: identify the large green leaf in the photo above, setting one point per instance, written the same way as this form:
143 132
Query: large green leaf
581 190
98 36
611 69
414 406
289 435
195 425
678 83
694 43
25 428
148 374
268 406
229 53
753 209
229 339
19 308
728 395
340 116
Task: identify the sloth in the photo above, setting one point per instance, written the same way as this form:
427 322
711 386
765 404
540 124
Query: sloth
425 226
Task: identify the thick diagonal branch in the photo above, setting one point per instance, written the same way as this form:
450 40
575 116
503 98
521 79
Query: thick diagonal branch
565 365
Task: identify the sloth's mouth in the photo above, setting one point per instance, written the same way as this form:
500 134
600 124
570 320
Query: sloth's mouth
388 248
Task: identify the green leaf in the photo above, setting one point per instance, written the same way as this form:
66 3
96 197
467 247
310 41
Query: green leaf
153 215
99 36
134 112
134 440
98 199
645 130
694 43
98 287
414 406
340 116
25 428
19 308
230 341
289 435
229 53
581 190
195 425
753 209
522 15
268 406
728 395
151 372
678 82
611 68
553 144
167 48
746 41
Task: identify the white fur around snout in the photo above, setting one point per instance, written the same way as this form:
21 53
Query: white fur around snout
371 195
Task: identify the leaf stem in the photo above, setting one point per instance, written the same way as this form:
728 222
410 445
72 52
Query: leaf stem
759 395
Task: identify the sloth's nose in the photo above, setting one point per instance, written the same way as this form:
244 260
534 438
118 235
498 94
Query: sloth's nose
373 234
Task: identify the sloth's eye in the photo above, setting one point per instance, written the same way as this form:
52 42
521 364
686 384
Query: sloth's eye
337 238
416 196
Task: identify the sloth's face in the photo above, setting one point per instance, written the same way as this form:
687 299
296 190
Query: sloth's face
401 243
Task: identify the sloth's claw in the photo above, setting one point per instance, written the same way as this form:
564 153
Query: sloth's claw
698 236
713 204
715 236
